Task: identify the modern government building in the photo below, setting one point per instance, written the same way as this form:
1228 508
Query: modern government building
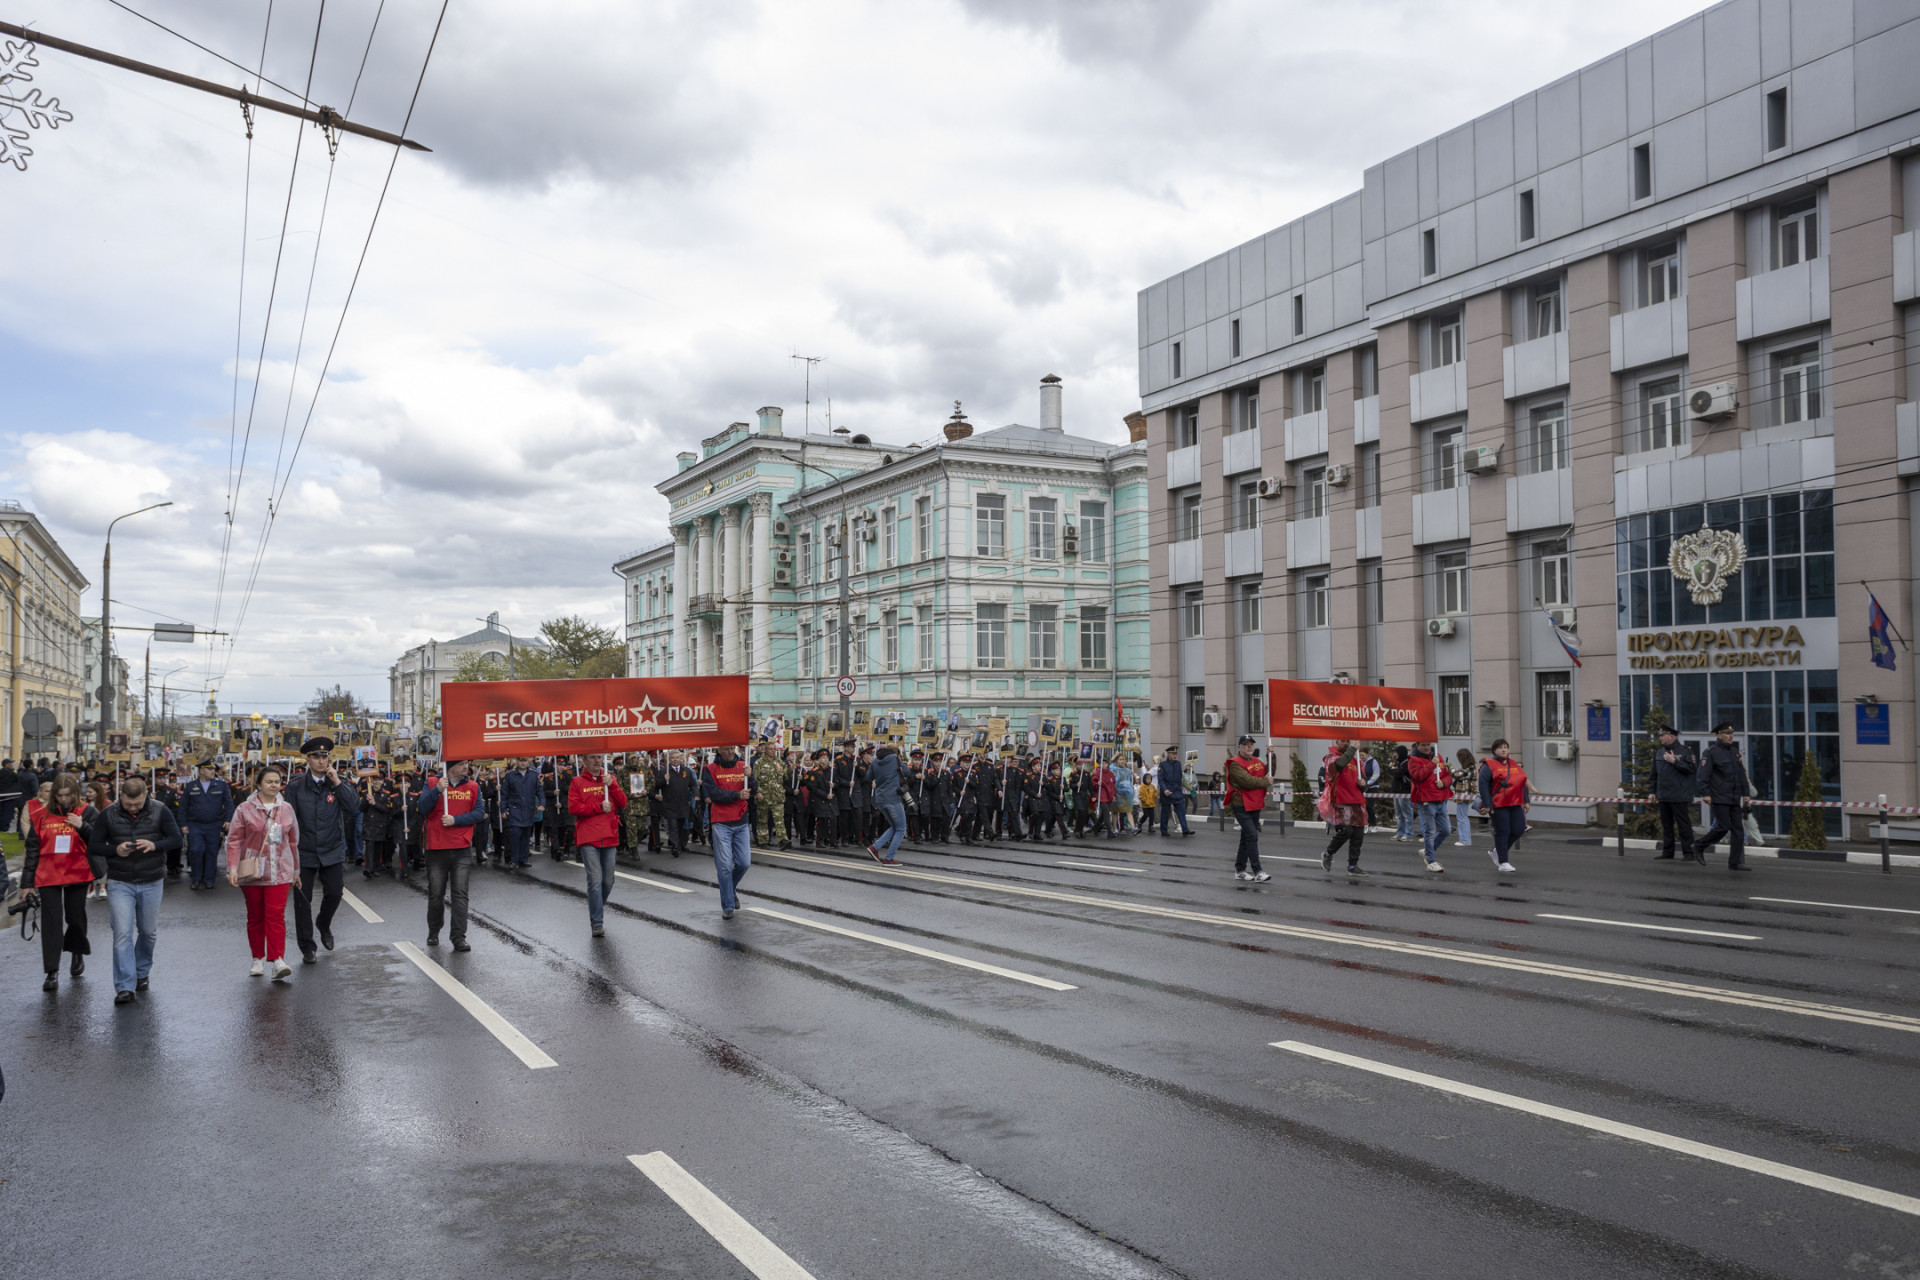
970 574
1673 293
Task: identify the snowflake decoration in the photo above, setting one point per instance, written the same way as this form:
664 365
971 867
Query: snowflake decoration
23 108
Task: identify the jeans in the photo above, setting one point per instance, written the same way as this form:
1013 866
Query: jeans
1463 823
1434 827
599 860
1405 819
1509 823
732 855
134 910
517 841
1247 856
889 844
203 852
448 867
1177 807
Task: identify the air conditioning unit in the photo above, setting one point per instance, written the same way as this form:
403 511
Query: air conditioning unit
1561 749
654 590
782 576
868 533
1339 473
1563 617
1213 720
781 555
1481 458
1269 488
1440 628
1711 403
869 516
782 527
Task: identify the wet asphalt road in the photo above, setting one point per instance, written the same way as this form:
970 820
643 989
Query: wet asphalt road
875 1112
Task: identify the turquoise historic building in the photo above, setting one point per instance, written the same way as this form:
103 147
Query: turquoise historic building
990 573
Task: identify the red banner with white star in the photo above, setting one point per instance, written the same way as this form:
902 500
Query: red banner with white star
1365 712
489 719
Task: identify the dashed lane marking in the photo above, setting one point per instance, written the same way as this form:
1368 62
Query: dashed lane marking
1015 974
1661 928
1633 1133
1104 866
1542 968
1844 906
735 1234
366 912
651 883
503 1031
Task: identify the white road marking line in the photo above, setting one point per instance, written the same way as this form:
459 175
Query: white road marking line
366 912
651 883
1104 866
1602 977
735 1234
503 1031
1844 906
1015 974
1633 1133
1663 928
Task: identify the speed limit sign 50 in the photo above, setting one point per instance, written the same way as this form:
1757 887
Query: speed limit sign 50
846 686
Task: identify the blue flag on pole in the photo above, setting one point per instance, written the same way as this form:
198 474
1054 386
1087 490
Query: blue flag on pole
1878 626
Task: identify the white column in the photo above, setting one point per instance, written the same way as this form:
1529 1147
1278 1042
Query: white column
761 575
730 588
681 589
703 556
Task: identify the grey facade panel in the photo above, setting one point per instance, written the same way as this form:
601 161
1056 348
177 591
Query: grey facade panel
1319 304
1373 204
1603 183
1317 244
1733 33
1155 308
1526 138
1298 251
1348 239
1373 279
1776 38
1218 302
1821 100
1456 168
1253 328
1733 133
1886 84
1217 345
1279 255
1680 154
1147 384
1428 154
1235 299
1349 306
1640 87
1253 272
1176 304
1557 201
1493 152
1458 250
1559 116
1820 27
1278 314
1494 225
1403 261
1401 183
1603 103
1871 17
1679 64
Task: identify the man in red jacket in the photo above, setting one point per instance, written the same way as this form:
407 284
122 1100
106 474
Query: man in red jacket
596 801
449 812
1432 789
1246 800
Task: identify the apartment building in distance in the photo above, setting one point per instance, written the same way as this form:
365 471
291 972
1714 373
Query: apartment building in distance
40 635
1672 293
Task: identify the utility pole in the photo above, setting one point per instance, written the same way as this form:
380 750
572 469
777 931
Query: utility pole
806 411
106 617
146 693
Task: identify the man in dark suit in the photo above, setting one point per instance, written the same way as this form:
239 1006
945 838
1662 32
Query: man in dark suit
674 791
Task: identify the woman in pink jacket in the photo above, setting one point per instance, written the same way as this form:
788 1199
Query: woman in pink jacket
264 827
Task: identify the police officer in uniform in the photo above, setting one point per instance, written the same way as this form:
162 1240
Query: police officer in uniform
206 805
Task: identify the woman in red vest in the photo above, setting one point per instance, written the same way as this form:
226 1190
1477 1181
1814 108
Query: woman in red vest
1344 805
1503 794
58 833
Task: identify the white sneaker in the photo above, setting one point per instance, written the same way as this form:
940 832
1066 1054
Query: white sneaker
259 967
1506 866
1261 876
282 970
1494 856
1434 866
1241 875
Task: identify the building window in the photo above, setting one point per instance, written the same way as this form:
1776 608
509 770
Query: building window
1233 339
1246 505
861 642
746 646
990 524
1662 424
923 532
1043 527
1253 708
1043 636
1796 232
889 536
990 635
1366 371
1178 371
1188 424
1553 579
1247 607
1643 171
1445 446
1526 215
1191 605
1776 119
806 555
1093 533
1299 314
890 630
1450 582
1366 460
1093 638
1658 274
1543 310
1313 491
1187 526
1446 340
1318 602
1456 706
833 646
1196 708
1547 446
1553 696
1789 573
1429 254
1796 385
928 637
1248 416
1310 390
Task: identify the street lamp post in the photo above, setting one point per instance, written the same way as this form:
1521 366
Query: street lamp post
106 623
495 622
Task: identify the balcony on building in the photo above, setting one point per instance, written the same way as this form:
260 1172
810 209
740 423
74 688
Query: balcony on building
1309 542
1439 393
1244 555
1183 467
1539 364
1366 533
1240 452
1543 500
1366 420
1906 422
1777 301
1306 435
1183 561
1647 335
706 606
1440 516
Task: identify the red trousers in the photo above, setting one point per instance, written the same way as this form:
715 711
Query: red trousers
266 919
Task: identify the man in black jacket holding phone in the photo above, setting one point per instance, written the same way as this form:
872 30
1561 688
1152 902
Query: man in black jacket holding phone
135 837
323 803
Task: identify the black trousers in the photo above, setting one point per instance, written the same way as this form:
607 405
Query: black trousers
676 831
1351 837
1676 816
1728 821
448 868
332 881
379 853
63 923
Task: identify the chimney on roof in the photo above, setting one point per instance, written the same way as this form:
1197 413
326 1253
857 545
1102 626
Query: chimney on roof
957 427
1050 419
770 421
493 620
1136 425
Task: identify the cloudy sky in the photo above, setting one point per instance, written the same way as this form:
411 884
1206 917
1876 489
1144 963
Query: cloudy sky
634 215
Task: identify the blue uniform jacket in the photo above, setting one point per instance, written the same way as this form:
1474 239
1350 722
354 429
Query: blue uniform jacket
206 803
